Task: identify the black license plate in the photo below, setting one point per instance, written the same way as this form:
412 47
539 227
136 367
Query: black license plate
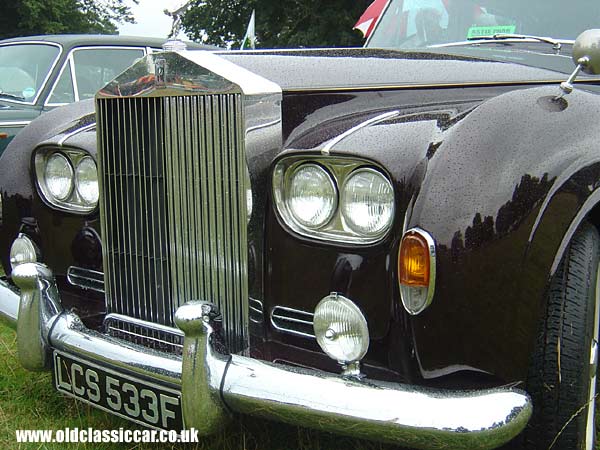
127 396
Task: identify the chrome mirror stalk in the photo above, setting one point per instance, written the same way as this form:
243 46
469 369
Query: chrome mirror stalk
586 56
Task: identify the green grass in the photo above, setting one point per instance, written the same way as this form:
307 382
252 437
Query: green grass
29 401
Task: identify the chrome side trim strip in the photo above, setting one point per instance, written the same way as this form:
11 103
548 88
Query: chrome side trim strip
63 139
373 120
20 123
395 87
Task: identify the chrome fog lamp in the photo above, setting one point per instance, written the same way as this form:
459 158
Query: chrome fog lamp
58 176
341 329
311 196
86 181
368 202
23 250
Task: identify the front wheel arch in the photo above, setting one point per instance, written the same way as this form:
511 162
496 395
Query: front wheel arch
562 372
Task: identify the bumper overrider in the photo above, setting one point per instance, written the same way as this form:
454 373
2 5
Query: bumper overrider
215 386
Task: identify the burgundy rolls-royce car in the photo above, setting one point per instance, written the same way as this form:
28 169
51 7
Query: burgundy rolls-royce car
397 242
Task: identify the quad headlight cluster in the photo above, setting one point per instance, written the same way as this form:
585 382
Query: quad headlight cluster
334 199
67 179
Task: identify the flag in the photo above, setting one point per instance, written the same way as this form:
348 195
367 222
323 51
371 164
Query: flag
367 21
250 36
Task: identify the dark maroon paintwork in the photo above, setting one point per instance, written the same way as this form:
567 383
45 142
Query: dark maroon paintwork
496 171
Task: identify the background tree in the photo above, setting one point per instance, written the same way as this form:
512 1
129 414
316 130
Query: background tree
282 23
28 17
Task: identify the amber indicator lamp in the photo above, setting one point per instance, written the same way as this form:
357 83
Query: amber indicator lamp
413 260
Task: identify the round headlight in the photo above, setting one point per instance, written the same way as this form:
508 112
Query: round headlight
86 180
58 176
368 202
22 251
341 329
312 196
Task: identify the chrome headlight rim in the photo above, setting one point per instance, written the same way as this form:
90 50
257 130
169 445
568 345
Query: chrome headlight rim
331 184
343 194
336 231
74 204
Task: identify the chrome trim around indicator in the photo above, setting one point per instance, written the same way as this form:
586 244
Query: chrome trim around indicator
432 270
213 383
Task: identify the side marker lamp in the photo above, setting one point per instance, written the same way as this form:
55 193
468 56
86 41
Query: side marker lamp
416 270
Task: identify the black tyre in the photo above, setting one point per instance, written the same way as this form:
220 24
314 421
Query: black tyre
562 378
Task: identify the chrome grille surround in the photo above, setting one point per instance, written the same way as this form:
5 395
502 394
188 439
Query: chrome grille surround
154 336
172 163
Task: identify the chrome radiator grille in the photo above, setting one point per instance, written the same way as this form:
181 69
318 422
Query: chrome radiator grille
173 207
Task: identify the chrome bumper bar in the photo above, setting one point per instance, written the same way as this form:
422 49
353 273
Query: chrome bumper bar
215 385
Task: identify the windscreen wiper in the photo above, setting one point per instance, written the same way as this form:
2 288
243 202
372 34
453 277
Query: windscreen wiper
556 45
11 96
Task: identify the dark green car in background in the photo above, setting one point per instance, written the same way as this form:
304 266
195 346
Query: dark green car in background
38 73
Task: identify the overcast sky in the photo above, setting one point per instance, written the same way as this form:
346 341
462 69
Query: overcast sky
151 21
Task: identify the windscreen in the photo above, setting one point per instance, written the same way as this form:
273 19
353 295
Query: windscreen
419 23
24 69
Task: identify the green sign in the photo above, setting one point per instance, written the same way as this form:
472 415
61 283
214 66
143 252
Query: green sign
475 32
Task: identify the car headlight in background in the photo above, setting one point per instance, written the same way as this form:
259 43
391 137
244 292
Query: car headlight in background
58 176
67 179
335 199
368 202
312 196
416 270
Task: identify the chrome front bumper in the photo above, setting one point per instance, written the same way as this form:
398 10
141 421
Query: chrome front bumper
215 385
